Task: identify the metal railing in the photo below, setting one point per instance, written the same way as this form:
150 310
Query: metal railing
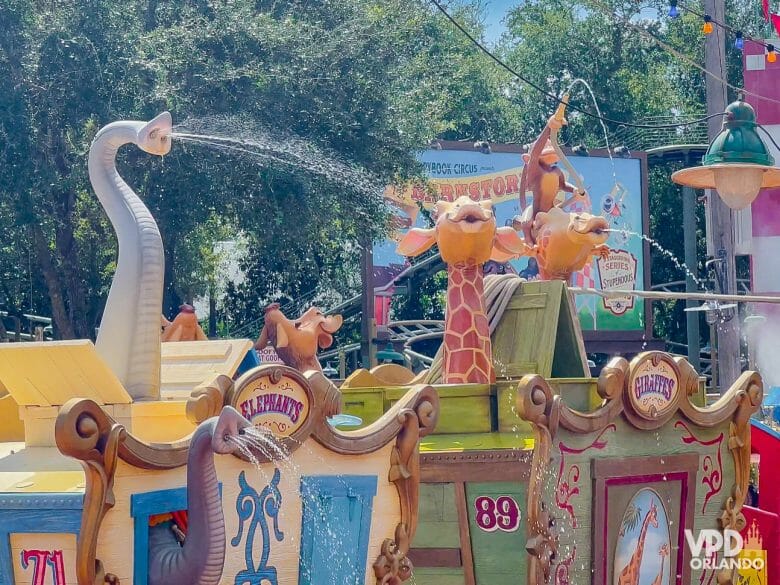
743 285
28 327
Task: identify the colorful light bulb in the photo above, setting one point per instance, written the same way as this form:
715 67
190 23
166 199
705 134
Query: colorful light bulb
707 27
739 41
771 55
673 11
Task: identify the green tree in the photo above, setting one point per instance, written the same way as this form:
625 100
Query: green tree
554 43
356 78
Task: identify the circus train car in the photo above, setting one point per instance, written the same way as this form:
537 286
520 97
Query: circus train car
184 489
549 475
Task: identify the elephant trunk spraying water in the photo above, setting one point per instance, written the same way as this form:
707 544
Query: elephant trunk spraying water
201 559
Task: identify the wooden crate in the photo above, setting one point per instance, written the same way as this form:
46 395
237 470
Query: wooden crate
365 403
578 393
539 334
508 421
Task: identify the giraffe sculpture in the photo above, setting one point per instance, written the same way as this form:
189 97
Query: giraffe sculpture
663 553
467 236
630 574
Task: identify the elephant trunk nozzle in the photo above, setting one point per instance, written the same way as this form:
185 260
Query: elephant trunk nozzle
230 425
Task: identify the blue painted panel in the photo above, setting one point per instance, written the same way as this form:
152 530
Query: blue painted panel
158 502
251 360
35 513
258 511
764 427
336 526
142 506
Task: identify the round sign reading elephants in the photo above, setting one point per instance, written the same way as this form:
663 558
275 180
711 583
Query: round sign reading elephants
273 398
653 385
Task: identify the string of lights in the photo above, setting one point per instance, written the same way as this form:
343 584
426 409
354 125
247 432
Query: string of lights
590 114
709 23
667 47
552 96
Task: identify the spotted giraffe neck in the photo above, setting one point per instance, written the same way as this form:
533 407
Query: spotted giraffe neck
645 525
640 547
468 356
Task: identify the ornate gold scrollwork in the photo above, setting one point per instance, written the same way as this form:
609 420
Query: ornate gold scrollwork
393 566
208 399
326 393
85 432
538 404
748 399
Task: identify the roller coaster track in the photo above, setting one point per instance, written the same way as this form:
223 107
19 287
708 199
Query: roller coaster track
408 332
349 307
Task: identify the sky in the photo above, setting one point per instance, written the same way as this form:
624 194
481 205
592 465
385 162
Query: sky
495 12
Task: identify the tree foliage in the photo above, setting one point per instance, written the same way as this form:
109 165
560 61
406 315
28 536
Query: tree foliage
359 79
368 82
634 77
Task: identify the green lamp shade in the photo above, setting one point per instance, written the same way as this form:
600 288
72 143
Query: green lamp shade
737 164
389 354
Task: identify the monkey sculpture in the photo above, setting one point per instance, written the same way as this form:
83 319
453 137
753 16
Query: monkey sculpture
543 178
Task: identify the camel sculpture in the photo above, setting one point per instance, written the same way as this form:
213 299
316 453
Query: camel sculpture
467 236
200 559
566 242
129 335
630 573
184 327
296 342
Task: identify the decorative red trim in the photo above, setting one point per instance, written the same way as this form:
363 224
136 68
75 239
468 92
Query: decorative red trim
568 488
711 477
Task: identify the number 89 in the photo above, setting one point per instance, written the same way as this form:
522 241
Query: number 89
502 513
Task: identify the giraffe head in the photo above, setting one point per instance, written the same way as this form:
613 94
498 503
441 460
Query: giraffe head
466 233
652 515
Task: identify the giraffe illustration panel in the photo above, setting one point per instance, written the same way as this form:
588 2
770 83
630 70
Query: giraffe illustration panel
642 506
644 542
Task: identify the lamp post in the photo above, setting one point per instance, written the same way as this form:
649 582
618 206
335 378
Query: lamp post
330 371
737 165
389 356
367 320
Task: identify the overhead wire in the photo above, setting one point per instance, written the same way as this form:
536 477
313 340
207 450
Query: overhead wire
605 9
771 138
626 22
552 96
722 25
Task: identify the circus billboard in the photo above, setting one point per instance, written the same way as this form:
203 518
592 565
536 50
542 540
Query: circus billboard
616 189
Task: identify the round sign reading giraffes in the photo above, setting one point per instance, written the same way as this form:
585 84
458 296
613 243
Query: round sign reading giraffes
653 385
